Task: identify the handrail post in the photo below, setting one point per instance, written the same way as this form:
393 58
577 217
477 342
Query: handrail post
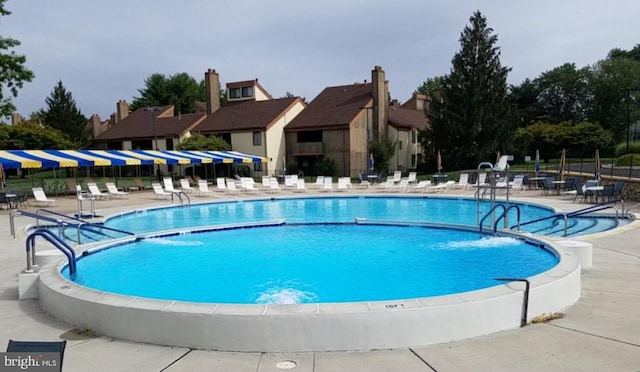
525 301
12 224
566 221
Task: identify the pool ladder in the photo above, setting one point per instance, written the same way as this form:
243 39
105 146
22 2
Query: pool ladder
53 239
505 209
179 195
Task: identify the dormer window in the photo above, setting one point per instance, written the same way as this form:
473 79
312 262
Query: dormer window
241 92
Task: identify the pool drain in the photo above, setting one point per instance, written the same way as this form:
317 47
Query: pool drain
286 364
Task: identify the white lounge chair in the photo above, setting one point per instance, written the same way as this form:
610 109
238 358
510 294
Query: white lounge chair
300 186
420 187
387 185
327 184
168 184
402 186
113 190
343 183
413 177
231 186
463 181
159 192
221 184
266 182
319 182
95 191
41 197
273 185
397 176
248 185
203 188
442 187
185 186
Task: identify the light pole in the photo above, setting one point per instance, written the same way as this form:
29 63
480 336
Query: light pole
153 111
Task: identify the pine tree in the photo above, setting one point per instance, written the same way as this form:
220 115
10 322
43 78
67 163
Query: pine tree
62 114
13 74
469 121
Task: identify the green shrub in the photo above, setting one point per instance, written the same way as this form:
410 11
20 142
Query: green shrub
621 149
628 160
324 166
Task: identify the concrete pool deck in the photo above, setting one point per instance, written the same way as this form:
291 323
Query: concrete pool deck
600 332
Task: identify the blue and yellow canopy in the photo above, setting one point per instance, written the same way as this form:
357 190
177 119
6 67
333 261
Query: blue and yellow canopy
12 159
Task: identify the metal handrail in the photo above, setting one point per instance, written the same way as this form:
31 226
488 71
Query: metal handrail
566 216
12 215
61 223
179 194
504 214
525 300
505 210
57 242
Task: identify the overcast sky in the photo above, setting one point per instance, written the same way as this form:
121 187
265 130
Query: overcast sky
102 51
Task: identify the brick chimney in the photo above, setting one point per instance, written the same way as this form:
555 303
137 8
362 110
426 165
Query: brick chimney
95 125
380 102
122 110
212 84
113 119
16 118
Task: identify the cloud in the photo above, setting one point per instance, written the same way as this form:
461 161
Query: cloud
103 51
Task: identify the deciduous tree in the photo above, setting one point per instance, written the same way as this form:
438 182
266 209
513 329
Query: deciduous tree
13 73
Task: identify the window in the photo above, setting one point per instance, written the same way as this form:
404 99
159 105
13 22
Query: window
414 136
257 167
400 145
419 104
257 138
310 136
235 93
247 92
413 160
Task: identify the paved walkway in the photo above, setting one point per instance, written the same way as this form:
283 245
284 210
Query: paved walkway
599 333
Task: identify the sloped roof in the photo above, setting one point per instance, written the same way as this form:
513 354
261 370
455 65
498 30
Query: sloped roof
139 124
245 115
334 107
404 118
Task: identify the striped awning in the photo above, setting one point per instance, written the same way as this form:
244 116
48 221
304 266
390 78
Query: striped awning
12 159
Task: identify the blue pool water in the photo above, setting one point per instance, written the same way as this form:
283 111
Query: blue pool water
310 263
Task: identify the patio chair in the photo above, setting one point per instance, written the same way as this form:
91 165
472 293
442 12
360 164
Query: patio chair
463 181
221 184
343 183
397 176
203 188
185 186
421 186
113 191
159 192
617 190
300 186
327 184
41 197
231 186
319 182
607 192
95 191
413 177
168 184
38 347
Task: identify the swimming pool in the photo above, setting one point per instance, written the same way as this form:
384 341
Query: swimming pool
313 326
306 263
